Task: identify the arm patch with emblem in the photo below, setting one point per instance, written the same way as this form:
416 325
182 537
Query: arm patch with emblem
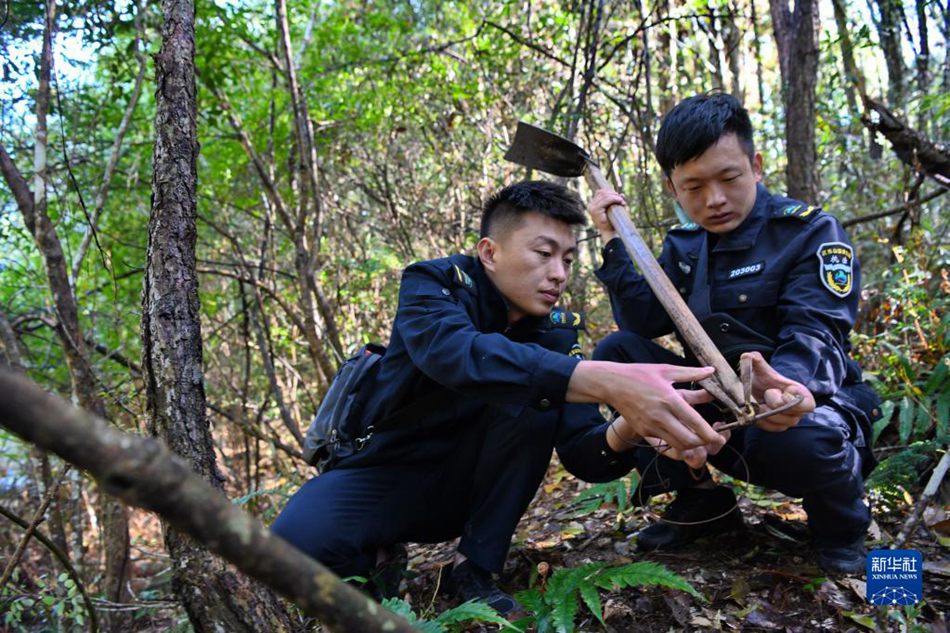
686 226
561 318
463 279
836 267
797 210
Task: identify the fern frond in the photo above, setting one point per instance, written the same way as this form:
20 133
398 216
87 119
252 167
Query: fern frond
562 593
644 573
591 598
472 611
403 608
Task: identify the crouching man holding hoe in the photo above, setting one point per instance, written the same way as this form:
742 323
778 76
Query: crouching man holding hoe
769 277
482 379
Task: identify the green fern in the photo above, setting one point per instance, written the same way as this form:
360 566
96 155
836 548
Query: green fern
900 471
594 497
446 621
644 573
471 612
562 592
555 608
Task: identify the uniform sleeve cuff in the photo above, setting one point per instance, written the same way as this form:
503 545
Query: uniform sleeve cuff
551 377
616 263
612 247
614 458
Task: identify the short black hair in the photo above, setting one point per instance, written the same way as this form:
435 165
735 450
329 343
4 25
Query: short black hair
503 211
696 124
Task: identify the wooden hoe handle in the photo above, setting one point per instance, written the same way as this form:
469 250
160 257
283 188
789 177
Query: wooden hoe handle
693 333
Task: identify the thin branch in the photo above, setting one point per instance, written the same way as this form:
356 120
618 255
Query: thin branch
526 43
114 356
293 316
63 558
9 345
930 491
31 528
116 149
907 206
20 188
438 48
250 430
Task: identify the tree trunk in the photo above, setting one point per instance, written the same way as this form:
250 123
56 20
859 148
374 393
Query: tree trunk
9 345
852 78
796 34
731 40
215 597
923 62
757 47
717 56
888 23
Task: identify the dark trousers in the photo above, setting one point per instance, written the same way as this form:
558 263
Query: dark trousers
478 491
814 460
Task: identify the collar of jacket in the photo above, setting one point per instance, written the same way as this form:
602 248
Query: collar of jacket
493 308
744 236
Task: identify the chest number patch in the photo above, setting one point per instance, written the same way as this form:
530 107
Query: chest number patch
743 271
836 269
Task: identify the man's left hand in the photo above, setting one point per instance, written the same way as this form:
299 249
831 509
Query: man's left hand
774 390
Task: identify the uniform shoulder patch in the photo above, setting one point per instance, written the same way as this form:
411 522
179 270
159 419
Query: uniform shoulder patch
685 226
798 210
561 318
462 278
836 267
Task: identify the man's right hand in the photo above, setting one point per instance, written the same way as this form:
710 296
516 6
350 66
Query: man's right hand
597 208
644 395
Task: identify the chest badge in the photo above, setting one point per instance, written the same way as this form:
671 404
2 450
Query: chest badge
836 269
744 271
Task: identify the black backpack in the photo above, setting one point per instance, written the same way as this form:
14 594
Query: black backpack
337 430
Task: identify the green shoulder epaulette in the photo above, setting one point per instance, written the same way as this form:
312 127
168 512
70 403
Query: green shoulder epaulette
685 226
561 318
462 279
798 210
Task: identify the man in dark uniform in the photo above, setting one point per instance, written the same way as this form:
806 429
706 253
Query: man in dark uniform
768 276
482 378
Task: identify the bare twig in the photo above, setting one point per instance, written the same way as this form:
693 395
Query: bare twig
63 558
930 491
253 432
910 204
31 528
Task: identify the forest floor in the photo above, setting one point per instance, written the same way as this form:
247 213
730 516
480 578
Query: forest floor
761 579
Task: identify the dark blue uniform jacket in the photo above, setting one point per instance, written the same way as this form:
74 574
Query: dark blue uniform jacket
785 282
453 359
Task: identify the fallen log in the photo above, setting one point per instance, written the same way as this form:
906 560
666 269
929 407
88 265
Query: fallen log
912 147
142 472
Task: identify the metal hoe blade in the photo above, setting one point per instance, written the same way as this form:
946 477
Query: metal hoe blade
547 152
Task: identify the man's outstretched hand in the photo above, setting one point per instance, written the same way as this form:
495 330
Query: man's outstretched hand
644 395
773 390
